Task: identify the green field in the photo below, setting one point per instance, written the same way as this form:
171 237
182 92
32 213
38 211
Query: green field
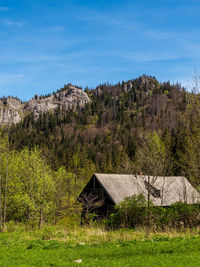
22 249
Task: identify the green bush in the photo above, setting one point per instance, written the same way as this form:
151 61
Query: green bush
183 215
134 212
131 212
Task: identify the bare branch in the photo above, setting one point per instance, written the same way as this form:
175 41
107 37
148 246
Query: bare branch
90 202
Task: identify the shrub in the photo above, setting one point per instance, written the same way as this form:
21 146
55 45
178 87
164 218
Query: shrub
130 213
182 214
134 211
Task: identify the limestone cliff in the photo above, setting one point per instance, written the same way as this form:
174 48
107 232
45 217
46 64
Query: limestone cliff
13 110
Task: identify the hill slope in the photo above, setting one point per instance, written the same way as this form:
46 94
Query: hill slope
103 134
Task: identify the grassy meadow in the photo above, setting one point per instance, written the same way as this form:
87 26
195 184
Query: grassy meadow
57 246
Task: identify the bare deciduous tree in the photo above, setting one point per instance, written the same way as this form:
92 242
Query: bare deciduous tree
90 203
196 82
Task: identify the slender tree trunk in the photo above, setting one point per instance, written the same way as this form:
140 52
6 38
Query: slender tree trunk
0 202
5 199
40 219
148 208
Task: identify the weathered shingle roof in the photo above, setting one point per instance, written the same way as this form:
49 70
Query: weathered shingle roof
170 189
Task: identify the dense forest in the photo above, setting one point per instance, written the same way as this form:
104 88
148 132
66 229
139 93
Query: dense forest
136 126
106 133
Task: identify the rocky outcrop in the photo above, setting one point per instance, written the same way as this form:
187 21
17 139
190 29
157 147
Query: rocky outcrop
12 110
69 97
146 83
149 81
12 103
9 116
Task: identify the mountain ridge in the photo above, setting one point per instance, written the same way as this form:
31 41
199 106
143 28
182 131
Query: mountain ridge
12 110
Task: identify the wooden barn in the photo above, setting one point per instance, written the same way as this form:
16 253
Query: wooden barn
113 188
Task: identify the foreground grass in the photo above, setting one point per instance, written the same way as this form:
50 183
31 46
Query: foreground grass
96 247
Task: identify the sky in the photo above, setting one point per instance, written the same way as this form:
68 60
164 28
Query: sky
45 44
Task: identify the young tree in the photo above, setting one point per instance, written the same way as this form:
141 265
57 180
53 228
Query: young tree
37 184
64 191
5 161
189 156
151 161
8 176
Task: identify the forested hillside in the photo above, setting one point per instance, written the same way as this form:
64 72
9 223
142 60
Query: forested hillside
105 134
139 126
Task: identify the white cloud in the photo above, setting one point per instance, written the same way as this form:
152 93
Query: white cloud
3 8
11 23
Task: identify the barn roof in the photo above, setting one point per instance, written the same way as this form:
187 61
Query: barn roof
164 191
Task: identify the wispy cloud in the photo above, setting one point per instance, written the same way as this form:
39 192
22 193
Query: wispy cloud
6 79
117 20
148 57
80 69
57 28
11 23
160 35
39 58
3 8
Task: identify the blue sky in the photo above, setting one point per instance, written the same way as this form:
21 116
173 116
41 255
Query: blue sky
48 43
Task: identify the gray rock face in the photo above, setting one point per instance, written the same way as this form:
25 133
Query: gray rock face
12 103
9 116
12 110
9 111
128 86
70 97
147 82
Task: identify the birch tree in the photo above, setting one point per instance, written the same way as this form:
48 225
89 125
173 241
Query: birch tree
151 162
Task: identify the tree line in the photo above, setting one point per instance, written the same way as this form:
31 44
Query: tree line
30 191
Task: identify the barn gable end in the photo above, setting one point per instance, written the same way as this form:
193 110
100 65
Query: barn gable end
95 187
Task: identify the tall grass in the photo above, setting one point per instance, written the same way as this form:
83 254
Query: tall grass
61 245
94 234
